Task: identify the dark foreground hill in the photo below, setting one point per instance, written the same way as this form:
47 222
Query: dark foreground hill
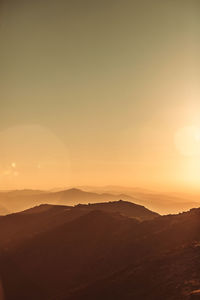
94 252
19 226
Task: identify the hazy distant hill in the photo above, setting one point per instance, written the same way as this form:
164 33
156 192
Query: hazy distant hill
76 196
97 252
3 210
15 201
163 203
20 200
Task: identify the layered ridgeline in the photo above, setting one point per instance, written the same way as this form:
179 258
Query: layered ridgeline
14 201
116 250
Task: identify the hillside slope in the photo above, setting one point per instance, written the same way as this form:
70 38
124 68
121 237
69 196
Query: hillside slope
99 254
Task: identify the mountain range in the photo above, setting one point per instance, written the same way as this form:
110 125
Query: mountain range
114 250
14 201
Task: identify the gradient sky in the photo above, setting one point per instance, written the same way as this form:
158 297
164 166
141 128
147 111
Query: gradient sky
99 92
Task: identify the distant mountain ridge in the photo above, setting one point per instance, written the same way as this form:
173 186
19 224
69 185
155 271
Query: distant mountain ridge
24 199
14 201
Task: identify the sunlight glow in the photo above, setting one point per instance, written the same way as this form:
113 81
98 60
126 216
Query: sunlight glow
187 141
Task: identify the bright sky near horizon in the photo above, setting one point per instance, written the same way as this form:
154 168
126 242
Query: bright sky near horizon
99 92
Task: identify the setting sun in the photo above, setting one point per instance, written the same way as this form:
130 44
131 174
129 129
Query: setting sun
187 140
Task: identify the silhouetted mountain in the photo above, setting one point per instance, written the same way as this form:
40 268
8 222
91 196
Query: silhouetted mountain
44 217
173 275
97 252
126 208
170 270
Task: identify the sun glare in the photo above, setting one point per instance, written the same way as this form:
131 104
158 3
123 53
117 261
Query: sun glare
187 141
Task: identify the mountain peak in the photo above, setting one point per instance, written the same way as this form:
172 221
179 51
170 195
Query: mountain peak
71 191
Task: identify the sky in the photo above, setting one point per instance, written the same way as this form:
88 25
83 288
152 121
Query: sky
99 92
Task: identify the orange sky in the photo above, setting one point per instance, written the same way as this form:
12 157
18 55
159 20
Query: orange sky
101 93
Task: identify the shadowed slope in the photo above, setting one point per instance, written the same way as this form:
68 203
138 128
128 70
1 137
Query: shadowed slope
26 224
99 255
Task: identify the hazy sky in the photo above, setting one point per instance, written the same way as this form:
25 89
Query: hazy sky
99 92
